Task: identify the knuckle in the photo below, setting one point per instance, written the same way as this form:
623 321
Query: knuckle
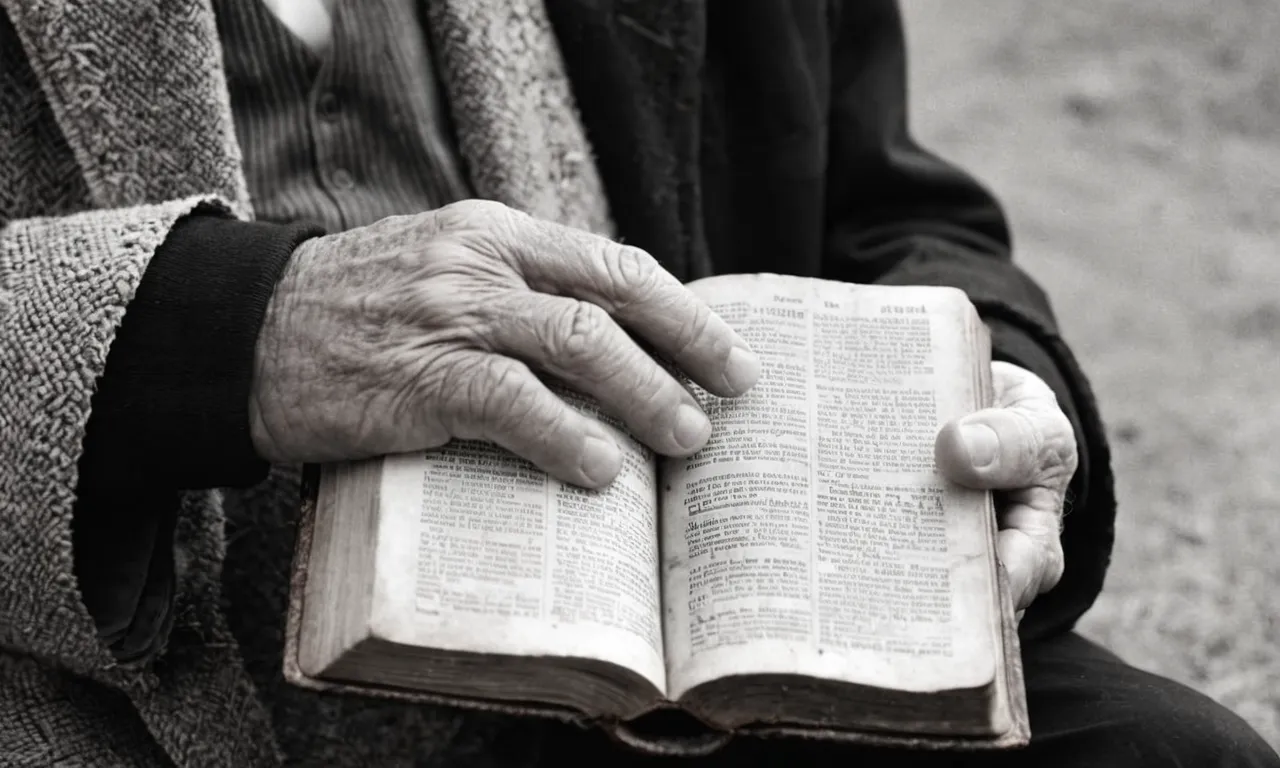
1065 441
651 394
450 384
487 391
503 394
1054 565
1058 454
694 330
630 269
475 215
1047 444
575 338
1031 441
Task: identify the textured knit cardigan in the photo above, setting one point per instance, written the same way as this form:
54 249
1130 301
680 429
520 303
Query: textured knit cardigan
114 122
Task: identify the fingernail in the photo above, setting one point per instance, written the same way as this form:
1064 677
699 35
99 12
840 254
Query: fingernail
982 443
741 370
691 428
601 459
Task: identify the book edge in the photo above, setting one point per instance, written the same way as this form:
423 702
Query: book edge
292 669
1018 734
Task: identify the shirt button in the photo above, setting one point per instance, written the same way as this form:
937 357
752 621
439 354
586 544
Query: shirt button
342 179
327 106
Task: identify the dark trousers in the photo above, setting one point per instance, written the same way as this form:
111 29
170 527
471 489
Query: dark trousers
1088 708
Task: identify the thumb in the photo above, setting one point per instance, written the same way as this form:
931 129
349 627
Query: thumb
1023 445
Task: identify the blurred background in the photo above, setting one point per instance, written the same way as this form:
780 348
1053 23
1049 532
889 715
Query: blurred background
1136 146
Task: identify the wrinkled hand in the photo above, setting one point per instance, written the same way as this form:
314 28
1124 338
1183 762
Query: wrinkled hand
1025 447
414 330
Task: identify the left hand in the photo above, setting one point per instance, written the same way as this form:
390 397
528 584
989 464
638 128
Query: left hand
1025 447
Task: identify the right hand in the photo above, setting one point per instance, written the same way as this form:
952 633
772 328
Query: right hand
414 330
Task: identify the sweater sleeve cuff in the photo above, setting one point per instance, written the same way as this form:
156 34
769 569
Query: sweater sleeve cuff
171 412
171 409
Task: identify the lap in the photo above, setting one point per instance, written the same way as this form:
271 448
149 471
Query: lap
1087 707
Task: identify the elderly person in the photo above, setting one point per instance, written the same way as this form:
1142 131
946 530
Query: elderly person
241 234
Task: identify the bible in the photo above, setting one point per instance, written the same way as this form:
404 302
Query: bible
808 573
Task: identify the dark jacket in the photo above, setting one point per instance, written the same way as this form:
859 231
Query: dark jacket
772 136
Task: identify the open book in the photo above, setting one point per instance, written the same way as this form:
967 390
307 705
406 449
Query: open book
808 572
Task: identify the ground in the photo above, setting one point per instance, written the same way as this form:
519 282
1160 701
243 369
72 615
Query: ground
1137 148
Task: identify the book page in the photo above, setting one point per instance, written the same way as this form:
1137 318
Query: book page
480 551
813 534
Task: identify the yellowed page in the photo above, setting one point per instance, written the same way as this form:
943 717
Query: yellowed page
480 551
813 534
